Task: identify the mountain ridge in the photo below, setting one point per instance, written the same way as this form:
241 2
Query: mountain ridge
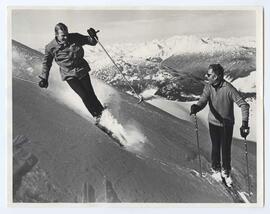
174 66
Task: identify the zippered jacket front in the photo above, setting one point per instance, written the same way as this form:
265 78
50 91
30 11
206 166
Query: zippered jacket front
68 56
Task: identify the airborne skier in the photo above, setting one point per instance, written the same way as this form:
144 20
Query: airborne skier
220 96
67 51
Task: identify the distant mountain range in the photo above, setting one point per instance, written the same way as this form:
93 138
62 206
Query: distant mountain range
174 67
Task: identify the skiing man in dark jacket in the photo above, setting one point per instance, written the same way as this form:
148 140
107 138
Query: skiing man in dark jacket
67 51
221 95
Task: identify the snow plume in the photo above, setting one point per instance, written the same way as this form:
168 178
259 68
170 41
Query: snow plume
108 121
128 133
129 136
135 138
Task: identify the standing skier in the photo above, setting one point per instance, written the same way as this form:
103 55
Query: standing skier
67 51
220 96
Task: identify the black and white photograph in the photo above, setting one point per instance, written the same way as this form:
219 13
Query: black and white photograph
135 106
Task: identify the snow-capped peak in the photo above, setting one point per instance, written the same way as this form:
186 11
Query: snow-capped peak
167 47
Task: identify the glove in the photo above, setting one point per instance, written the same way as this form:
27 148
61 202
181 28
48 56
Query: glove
194 109
43 83
92 33
244 130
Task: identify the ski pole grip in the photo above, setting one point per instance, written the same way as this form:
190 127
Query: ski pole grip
92 32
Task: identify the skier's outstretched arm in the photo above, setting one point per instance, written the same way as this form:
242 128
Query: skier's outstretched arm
85 40
202 101
46 66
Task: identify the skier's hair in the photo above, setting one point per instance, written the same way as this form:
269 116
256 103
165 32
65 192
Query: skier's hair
218 70
60 26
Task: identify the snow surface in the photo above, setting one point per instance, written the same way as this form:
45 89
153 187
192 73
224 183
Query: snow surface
69 145
246 84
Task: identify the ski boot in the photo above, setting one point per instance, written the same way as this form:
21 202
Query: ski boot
98 117
216 174
97 120
226 176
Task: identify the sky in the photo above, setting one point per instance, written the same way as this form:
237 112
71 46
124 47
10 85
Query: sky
35 27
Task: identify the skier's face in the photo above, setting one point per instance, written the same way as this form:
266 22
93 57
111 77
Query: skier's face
62 36
211 76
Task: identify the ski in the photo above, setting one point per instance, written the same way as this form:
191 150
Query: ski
232 190
111 135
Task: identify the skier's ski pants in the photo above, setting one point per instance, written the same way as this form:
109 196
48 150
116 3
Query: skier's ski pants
84 89
221 138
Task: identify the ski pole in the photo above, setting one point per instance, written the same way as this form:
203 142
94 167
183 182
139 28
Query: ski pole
119 70
248 179
139 97
198 144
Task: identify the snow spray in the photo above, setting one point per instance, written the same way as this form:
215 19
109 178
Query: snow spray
133 137
129 136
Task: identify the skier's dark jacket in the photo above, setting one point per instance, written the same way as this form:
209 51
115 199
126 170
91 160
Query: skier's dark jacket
221 101
69 57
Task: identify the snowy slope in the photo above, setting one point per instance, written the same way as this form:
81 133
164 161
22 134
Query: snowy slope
246 84
73 156
72 153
